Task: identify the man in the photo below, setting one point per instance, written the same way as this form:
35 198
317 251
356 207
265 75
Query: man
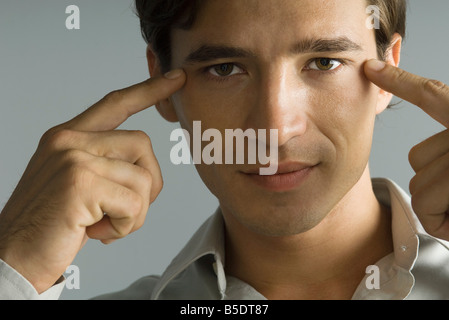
308 232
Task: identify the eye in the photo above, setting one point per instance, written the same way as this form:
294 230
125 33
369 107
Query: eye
324 64
225 70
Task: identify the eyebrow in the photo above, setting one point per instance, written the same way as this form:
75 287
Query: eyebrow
340 44
207 53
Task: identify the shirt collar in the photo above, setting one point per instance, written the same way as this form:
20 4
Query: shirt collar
405 225
396 279
209 239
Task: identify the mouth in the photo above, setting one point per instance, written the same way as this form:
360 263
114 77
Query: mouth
289 176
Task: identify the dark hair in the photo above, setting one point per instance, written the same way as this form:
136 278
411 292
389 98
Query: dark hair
159 17
393 16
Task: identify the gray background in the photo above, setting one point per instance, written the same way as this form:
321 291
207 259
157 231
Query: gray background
50 74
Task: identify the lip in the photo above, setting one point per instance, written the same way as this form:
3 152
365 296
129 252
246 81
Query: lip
289 176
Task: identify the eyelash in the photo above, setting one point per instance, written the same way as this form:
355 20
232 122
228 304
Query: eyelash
208 73
207 70
326 72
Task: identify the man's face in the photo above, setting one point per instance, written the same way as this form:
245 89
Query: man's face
295 66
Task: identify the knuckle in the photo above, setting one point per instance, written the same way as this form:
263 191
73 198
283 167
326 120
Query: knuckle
154 194
412 186
153 186
115 97
124 225
57 139
73 157
146 176
137 226
79 178
140 221
48 134
121 229
136 205
147 180
401 76
157 186
434 86
143 137
414 156
418 203
413 153
76 174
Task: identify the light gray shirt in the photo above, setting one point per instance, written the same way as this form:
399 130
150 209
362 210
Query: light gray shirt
417 269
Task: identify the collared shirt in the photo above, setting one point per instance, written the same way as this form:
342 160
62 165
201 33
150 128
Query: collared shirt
417 269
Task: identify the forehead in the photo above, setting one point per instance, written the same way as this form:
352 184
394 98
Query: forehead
272 25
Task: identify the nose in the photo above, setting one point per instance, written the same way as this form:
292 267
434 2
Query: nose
279 104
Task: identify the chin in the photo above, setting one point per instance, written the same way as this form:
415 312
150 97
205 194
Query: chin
279 221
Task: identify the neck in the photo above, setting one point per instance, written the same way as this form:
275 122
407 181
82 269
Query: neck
326 262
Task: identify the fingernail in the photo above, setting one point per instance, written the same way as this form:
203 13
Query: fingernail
376 65
109 241
173 74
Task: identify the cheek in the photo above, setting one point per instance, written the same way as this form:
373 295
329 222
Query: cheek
345 113
191 105
216 106
196 102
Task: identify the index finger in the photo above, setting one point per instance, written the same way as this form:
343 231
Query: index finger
117 106
430 95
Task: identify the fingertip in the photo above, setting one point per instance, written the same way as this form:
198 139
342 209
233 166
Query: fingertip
174 74
375 65
108 241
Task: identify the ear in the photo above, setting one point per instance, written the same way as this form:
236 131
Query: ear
393 57
164 107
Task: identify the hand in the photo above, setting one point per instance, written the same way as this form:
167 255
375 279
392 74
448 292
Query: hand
86 180
430 159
